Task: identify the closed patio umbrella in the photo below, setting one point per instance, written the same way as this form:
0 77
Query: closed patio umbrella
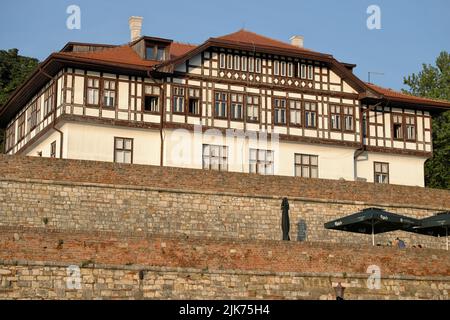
285 224
435 226
372 221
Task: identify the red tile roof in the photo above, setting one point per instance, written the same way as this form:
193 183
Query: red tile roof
178 49
396 95
126 55
121 54
248 37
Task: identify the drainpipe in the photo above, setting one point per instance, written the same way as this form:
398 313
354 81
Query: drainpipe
161 122
61 139
55 90
61 134
161 125
362 148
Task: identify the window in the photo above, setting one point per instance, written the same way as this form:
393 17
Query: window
194 102
151 99
335 117
10 137
397 126
295 112
381 172
33 116
215 157
279 107
310 114
303 71
21 127
156 53
109 93
310 72
258 65
53 150
237 106
244 63
93 91
123 150
306 166
237 63
223 59
160 54
48 101
230 61
276 68
261 161
150 53
348 118
290 69
252 108
221 101
251 64
151 104
410 124
283 69
178 99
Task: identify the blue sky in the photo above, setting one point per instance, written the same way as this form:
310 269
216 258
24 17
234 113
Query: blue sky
413 32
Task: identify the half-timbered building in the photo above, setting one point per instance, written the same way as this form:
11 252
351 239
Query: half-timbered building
241 102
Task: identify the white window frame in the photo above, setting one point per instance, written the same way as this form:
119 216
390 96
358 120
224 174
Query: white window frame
244 63
261 161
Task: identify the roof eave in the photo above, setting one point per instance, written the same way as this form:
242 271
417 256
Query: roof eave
51 66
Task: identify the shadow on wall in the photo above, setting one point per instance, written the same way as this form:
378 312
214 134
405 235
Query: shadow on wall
302 231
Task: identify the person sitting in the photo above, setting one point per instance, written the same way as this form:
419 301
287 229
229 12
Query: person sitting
400 243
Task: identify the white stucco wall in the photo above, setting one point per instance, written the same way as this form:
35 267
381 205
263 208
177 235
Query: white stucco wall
95 142
44 145
334 162
184 148
404 170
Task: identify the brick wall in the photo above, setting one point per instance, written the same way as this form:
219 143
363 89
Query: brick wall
12 167
33 264
148 199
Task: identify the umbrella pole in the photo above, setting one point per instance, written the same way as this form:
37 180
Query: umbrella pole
373 235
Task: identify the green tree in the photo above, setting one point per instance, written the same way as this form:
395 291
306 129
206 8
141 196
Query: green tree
434 82
14 69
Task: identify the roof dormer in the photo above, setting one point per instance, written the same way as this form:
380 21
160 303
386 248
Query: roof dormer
151 48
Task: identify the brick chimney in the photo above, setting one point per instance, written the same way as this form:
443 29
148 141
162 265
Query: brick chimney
135 27
297 41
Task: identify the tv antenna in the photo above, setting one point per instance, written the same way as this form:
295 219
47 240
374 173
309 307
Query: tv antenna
373 72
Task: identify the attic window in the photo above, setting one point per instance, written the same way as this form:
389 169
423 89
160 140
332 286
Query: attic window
155 52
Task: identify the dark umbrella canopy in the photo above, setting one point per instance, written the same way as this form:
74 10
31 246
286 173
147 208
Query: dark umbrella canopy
285 224
372 221
435 226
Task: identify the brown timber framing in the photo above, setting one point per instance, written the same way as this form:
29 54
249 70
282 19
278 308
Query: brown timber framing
135 81
154 126
265 89
267 86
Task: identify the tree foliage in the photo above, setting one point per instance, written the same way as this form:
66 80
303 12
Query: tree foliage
14 69
433 81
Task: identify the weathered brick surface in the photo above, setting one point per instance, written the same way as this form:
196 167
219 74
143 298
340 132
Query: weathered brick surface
221 254
202 180
49 281
200 234
90 208
198 268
